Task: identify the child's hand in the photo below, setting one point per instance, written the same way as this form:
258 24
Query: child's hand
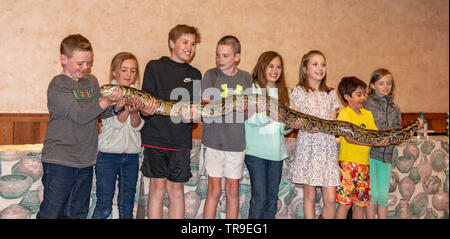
382 143
191 114
420 123
396 142
297 124
114 96
120 103
149 108
242 108
261 107
134 105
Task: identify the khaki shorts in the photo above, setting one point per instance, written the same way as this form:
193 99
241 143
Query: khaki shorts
220 163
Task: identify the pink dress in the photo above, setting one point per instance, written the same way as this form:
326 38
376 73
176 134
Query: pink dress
315 161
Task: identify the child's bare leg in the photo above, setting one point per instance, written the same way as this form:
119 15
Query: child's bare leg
367 213
329 202
371 211
156 192
358 212
212 197
382 212
232 197
342 211
309 197
176 200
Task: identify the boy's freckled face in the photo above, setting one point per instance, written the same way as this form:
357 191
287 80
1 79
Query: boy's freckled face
358 98
76 66
226 59
184 48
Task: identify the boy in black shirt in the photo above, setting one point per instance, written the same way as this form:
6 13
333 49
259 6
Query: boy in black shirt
168 141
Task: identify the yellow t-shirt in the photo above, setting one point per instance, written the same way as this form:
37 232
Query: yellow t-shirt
352 152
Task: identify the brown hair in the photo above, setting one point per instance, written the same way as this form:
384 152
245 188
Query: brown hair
259 75
231 41
303 78
116 63
179 30
348 85
378 74
74 42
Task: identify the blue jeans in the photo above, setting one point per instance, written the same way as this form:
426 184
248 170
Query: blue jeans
67 192
109 169
265 177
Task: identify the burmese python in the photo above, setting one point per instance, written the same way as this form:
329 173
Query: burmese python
288 115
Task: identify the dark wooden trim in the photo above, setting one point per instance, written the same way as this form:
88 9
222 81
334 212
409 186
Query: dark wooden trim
23 128
29 128
435 121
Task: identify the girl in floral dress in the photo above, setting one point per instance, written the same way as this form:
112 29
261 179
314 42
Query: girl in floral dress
315 162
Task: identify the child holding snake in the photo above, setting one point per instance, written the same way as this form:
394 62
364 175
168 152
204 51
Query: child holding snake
387 116
223 138
315 161
265 149
120 143
354 188
167 143
71 139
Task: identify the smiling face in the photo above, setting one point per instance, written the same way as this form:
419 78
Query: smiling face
357 100
226 59
76 66
273 71
183 49
316 68
126 73
383 86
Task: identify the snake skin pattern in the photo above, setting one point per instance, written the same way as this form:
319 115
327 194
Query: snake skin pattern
310 123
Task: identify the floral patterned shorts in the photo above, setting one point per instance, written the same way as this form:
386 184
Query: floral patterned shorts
354 188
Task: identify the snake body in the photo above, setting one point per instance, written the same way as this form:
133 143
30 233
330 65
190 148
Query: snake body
226 105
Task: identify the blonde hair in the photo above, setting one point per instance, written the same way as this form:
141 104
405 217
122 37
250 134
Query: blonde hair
74 42
116 63
377 75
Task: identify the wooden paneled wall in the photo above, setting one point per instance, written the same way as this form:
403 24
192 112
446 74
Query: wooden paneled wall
29 128
435 121
23 128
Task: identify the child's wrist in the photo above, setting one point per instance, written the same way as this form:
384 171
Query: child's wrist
113 110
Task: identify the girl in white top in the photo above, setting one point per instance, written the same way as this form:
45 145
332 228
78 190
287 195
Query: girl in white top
120 143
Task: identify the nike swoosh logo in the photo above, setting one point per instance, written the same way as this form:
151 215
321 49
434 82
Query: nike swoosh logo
186 80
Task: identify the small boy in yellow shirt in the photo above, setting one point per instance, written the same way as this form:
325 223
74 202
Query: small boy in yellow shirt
354 156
